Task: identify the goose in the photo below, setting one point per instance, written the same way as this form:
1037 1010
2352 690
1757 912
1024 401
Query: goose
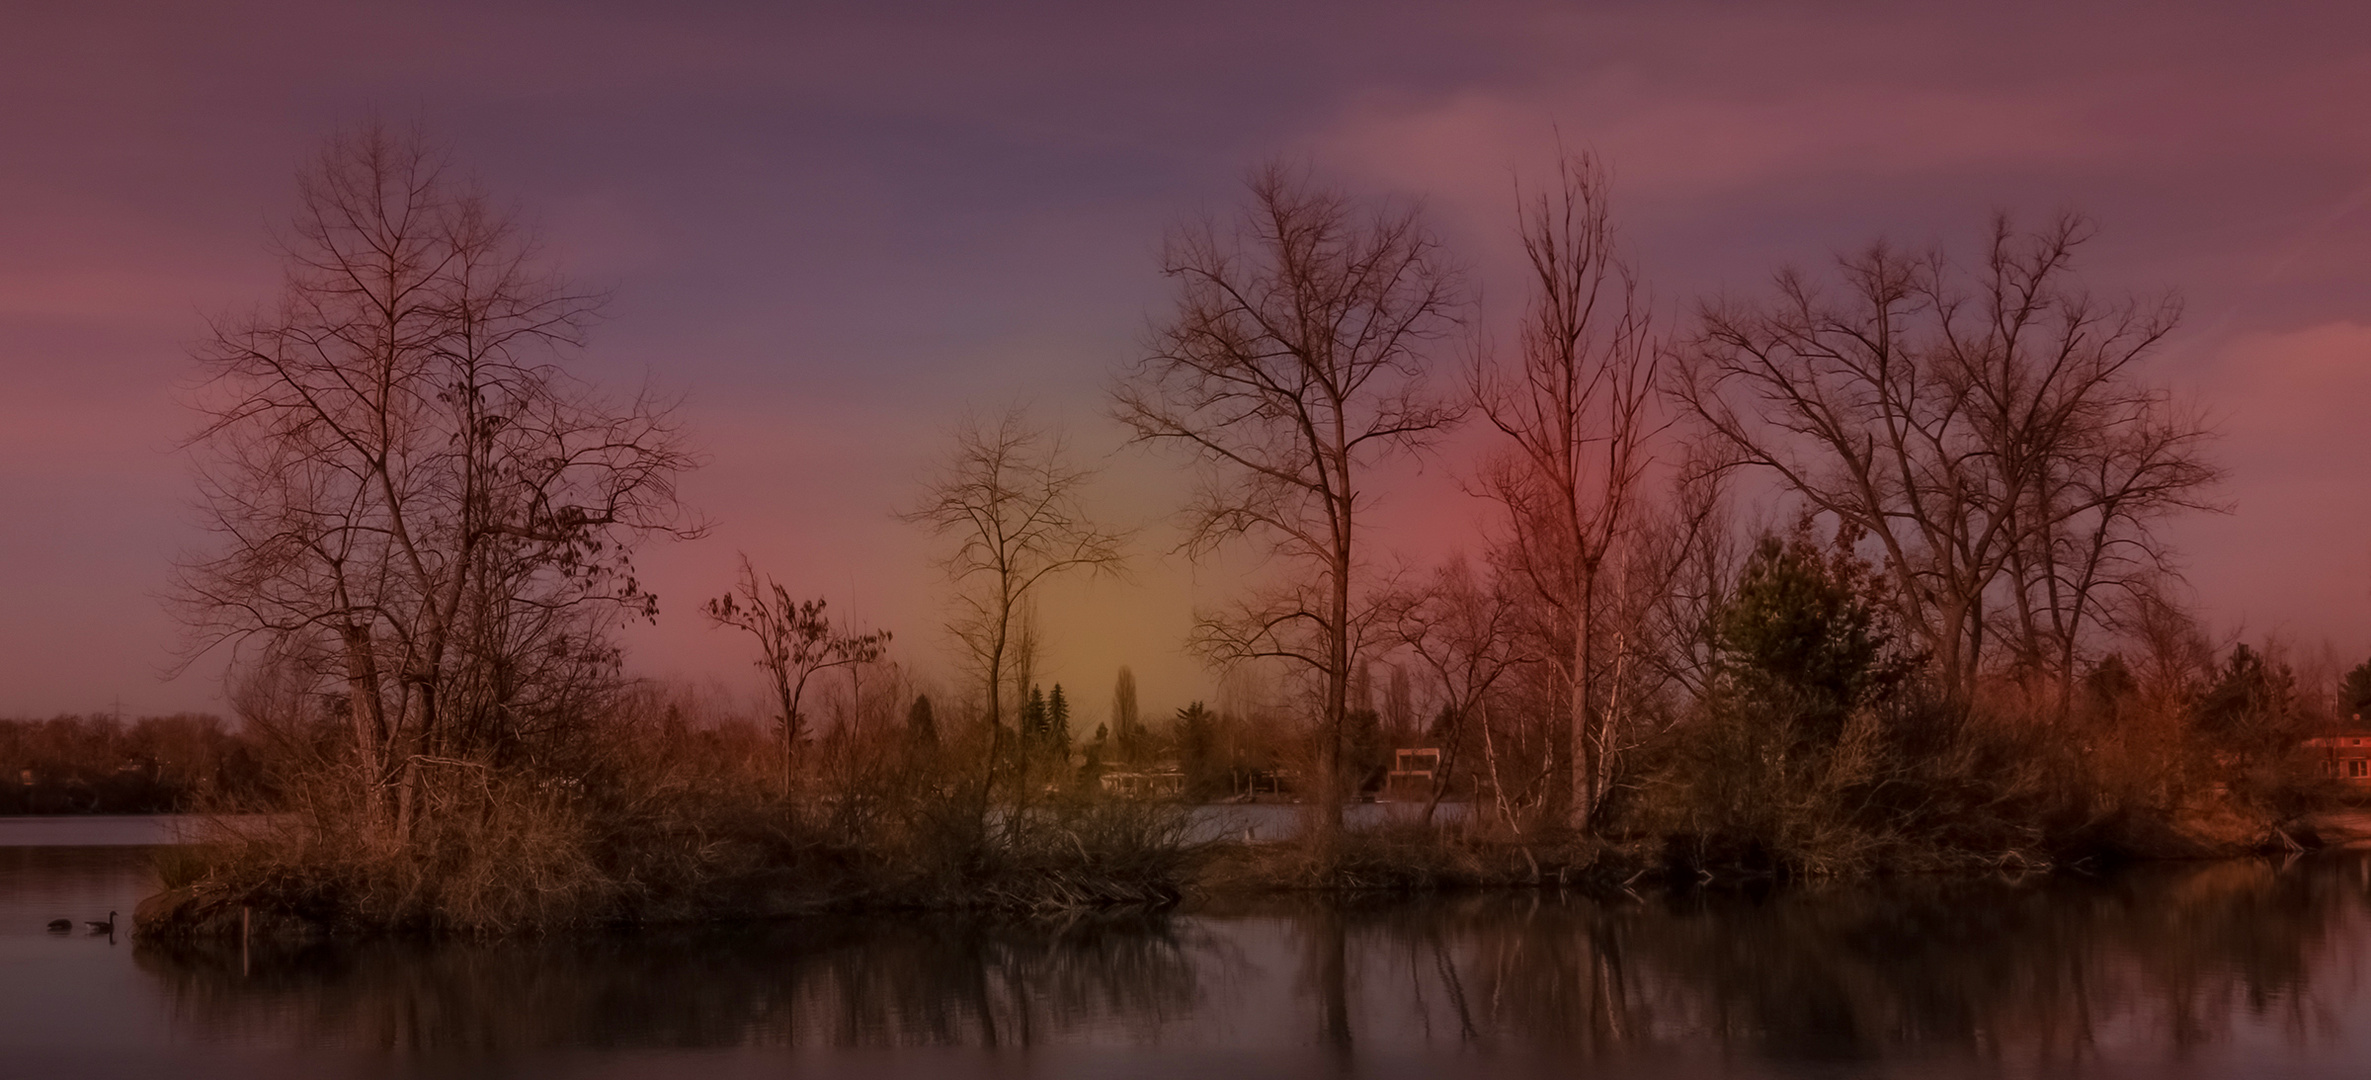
60 926
98 927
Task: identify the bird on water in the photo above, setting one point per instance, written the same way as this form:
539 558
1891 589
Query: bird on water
98 927
60 926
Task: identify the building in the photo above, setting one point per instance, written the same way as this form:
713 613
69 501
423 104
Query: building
1414 769
2345 757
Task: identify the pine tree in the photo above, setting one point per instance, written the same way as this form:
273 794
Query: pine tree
1033 716
1058 721
921 725
2354 693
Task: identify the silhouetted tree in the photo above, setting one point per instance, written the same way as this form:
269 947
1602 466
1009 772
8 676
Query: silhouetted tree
2354 692
1807 636
1198 752
1574 412
1123 703
1057 733
1295 359
796 641
2252 703
1014 505
921 726
1989 430
407 490
1465 633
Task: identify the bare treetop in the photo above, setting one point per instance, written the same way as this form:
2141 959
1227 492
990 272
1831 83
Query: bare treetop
1300 341
1295 358
404 482
1989 428
1015 507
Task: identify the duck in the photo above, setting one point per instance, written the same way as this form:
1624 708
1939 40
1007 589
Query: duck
98 927
60 926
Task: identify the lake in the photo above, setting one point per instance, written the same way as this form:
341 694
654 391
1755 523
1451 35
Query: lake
2247 968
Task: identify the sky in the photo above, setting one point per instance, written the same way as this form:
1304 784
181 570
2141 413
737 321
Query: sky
836 230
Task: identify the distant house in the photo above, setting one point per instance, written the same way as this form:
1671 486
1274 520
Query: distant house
2345 757
1413 771
1144 785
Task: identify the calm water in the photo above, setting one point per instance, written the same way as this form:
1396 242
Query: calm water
2229 969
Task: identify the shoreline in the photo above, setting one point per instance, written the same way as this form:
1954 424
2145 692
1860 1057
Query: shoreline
1383 859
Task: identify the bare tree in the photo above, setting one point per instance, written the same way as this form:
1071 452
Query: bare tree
1992 435
1014 506
1574 411
796 641
403 479
1466 632
1295 359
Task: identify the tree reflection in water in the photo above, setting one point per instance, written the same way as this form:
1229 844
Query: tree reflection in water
2140 965
841 982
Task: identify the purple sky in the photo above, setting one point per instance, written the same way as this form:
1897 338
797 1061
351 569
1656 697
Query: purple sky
837 228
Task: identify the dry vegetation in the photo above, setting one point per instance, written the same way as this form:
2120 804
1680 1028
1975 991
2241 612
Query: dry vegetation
661 810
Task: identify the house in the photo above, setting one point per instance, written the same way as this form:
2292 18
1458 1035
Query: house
1413 772
2346 756
1166 783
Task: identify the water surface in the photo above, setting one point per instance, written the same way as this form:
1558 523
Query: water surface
2226 969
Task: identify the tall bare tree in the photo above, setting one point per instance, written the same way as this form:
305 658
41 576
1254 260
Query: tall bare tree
402 477
1574 410
1990 430
1465 632
1295 359
796 642
1015 508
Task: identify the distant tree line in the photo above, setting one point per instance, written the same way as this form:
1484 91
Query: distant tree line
103 764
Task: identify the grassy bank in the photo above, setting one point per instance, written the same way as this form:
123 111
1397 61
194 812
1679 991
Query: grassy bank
648 812
536 866
650 817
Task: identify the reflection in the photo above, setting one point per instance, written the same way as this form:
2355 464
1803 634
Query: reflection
2164 958
2148 963
840 982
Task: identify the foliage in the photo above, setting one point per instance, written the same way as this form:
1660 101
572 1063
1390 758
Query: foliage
2354 692
1807 634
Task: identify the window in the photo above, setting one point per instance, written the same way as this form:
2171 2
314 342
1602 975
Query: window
2357 768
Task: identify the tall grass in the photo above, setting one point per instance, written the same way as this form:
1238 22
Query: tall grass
652 811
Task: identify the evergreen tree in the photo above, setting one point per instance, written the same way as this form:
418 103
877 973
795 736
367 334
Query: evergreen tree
921 726
2252 704
1805 636
2354 693
1197 745
1057 730
1123 705
1033 716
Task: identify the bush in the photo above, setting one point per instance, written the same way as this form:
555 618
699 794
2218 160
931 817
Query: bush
650 813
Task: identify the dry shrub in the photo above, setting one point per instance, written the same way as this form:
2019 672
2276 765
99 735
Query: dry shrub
652 812
1919 785
1912 786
